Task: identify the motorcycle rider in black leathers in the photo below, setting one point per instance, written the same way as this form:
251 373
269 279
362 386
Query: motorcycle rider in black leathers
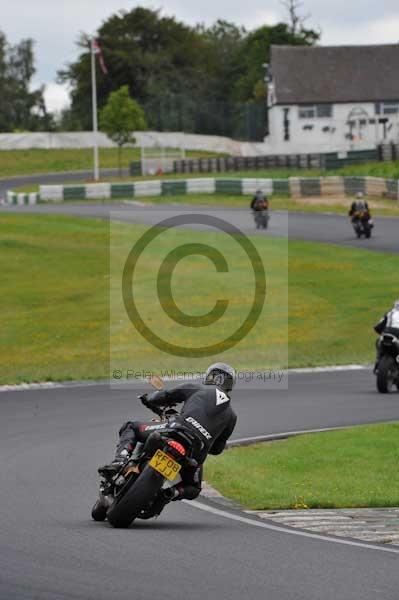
259 201
359 206
388 324
206 412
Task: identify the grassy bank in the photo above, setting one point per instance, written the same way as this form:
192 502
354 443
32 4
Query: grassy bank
340 469
27 162
336 295
37 160
55 302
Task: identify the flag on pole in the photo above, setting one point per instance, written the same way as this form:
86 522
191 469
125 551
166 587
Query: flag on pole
97 50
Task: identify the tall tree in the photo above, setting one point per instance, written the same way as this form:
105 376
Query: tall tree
20 107
120 117
296 20
224 41
155 56
255 53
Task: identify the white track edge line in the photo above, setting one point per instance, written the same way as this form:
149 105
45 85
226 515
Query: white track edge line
316 536
21 387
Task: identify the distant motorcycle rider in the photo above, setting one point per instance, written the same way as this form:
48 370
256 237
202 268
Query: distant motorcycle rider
206 412
359 207
388 324
259 201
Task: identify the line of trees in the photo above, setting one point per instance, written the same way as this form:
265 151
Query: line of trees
198 79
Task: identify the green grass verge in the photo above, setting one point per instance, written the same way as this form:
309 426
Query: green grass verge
54 305
336 295
340 469
55 301
37 160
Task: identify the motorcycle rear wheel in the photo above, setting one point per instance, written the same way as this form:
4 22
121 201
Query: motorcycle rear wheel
129 506
386 375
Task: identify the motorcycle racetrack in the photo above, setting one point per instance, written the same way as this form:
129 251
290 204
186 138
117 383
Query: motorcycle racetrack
320 227
52 441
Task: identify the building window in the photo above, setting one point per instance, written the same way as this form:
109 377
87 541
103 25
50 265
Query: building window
307 112
390 108
387 108
313 111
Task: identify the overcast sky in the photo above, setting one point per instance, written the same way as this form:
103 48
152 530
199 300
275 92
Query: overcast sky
55 24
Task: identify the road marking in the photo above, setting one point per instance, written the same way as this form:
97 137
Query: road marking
18 387
331 369
315 536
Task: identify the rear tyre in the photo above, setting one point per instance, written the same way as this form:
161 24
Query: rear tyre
386 374
127 508
99 511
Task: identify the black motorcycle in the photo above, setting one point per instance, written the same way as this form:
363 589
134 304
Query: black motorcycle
388 364
139 489
261 218
362 224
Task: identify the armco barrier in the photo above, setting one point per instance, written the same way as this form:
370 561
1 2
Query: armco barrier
22 199
222 164
295 186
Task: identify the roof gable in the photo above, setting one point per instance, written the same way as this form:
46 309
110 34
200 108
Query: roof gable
317 74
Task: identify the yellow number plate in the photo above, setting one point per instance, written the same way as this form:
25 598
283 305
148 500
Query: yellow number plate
165 465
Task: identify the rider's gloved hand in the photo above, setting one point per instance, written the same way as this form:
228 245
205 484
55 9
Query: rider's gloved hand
151 397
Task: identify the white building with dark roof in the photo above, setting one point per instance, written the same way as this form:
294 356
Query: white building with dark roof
324 99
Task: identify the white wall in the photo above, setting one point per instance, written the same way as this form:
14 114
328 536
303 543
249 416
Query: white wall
316 140
147 139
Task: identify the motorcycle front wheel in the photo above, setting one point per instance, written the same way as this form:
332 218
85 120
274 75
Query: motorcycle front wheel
99 511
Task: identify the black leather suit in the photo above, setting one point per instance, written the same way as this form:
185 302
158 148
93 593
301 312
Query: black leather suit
206 411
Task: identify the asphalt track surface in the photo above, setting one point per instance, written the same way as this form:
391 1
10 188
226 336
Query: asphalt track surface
51 442
328 228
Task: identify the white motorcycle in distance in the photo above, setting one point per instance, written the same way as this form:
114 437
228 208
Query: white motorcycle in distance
388 365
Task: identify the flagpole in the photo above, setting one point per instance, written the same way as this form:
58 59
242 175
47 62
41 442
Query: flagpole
94 107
